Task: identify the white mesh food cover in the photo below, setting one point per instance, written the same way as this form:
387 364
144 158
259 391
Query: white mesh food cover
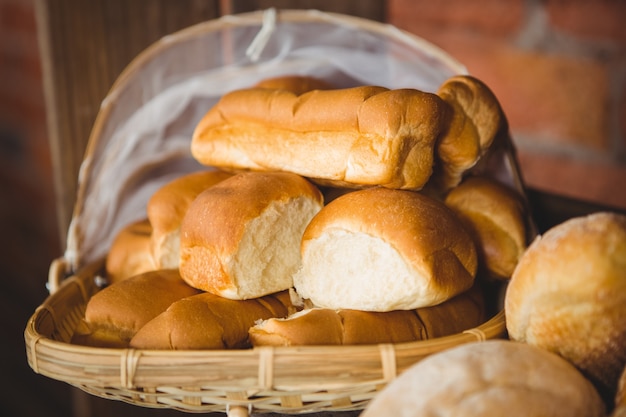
142 135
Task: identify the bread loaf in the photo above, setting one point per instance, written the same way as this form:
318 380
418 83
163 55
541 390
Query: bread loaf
166 209
323 326
297 84
240 238
114 314
347 137
208 321
130 253
485 379
496 216
380 249
475 121
568 295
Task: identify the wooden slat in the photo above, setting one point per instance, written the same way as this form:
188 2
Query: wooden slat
84 46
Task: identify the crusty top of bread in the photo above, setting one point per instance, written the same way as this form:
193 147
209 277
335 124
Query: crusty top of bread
130 252
115 313
475 121
496 216
167 207
568 295
297 84
491 378
364 135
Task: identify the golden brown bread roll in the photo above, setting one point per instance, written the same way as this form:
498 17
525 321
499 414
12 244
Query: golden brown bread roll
240 238
346 137
130 253
380 249
485 379
475 120
323 326
166 209
114 314
496 216
297 84
208 321
568 295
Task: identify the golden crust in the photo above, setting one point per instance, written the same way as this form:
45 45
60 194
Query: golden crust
496 215
130 252
361 136
166 209
568 295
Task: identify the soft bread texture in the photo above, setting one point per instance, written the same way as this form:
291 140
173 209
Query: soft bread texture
297 84
130 252
475 121
380 249
240 239
491 378
346 137
323 326
166 209
496 215
208 321
114 314
568 295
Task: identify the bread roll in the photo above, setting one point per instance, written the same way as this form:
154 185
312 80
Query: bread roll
568 295
323 326
381 250
166 209
485 379
496 216
208 321
114 314
297 84
347 137
130 253
240 239
475 121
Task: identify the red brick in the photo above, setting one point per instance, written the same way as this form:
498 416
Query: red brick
561 98
489 16
18 16
599 19
597 182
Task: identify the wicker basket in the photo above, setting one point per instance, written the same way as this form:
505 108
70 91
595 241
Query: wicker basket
282 380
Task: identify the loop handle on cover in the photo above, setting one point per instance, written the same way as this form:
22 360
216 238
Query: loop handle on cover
58 271
258 43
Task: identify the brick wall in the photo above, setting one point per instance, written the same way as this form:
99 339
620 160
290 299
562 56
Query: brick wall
559 70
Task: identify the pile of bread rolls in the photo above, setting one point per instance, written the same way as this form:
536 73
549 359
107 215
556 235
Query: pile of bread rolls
320 219
357 216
